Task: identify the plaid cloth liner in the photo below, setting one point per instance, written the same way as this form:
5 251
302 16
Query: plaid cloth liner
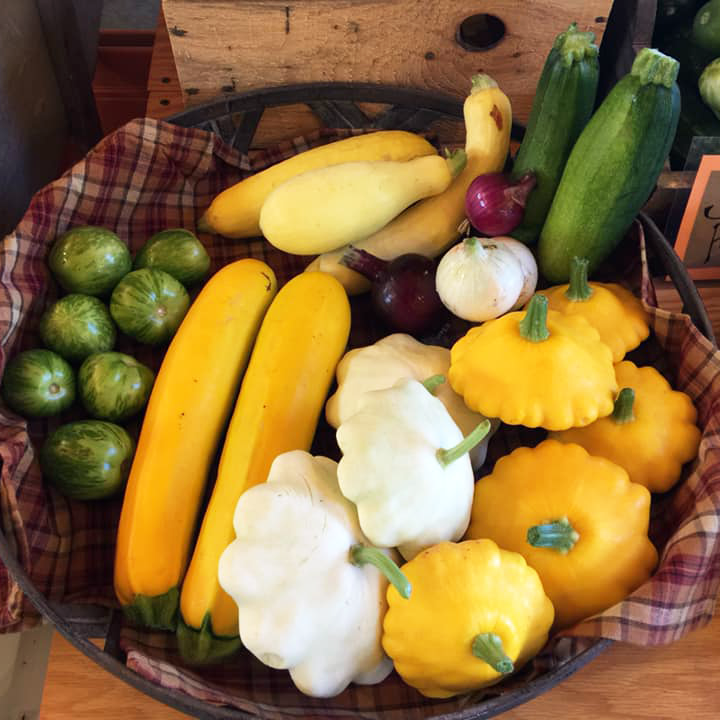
151 175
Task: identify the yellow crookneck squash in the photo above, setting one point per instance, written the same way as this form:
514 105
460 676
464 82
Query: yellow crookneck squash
189 405
537 368
301 340
576 518
651 432
431 226
475 614
610 308
235 212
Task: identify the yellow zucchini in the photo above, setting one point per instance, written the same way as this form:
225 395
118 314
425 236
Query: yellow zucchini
324 209
235 212
301 340
189 405
431 226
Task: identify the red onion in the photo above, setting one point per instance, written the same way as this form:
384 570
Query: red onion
403 290
495 204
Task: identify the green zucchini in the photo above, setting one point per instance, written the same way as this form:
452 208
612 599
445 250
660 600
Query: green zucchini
564 101
613 167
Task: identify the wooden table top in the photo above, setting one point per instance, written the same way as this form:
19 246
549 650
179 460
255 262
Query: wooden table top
672 682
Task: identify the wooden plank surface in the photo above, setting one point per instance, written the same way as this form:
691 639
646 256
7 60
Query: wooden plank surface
671 682
222 46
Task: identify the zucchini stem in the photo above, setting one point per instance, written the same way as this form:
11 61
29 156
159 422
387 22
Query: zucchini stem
533 326
652 67
574 46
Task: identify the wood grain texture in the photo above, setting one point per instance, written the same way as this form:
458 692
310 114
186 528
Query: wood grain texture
672 682
223 46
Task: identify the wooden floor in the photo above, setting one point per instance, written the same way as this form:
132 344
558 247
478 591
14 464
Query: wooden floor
625 683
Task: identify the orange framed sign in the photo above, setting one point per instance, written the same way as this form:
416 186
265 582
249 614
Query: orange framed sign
698 237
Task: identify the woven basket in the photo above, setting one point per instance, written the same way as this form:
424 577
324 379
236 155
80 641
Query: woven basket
149 176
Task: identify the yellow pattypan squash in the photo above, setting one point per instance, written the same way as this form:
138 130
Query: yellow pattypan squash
651 432
475 614
611 309
537 368
576 518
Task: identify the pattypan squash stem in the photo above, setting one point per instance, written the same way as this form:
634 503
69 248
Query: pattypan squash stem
533 326
432 382
558 535
362 554
578 289
623 411
488 647
445 457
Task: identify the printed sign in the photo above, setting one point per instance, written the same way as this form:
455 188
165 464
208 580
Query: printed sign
698 237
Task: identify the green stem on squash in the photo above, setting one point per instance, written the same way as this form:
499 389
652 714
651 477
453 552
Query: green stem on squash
573 45
456 161
481 81
557 535
488 647
652 67
579 289
432 383
533 326
362 554
623 411
445 457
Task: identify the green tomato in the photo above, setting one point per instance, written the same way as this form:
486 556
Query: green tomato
76 326
114 386
149 305
706 27
89 260
87 459
178 252
709 86
38 383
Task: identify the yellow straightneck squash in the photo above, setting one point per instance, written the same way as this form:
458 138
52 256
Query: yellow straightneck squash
235 212
190 402
431 226
302 338
339 205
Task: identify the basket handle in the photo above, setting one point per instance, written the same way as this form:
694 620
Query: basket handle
692 303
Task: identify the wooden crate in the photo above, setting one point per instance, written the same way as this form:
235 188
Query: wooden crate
227 46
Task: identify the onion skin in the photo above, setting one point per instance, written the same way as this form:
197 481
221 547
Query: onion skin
495 204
